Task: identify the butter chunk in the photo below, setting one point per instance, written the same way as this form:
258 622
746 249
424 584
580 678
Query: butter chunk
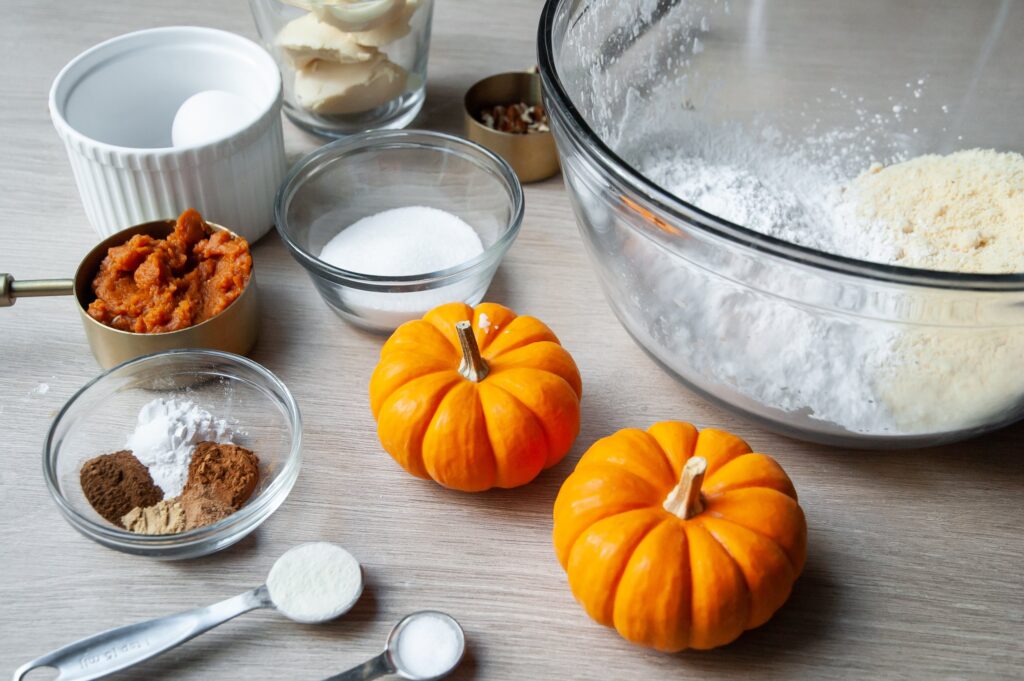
357 15
331 88
394 30
307 39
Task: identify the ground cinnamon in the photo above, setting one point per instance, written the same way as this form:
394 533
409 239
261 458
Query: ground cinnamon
116 483
229 472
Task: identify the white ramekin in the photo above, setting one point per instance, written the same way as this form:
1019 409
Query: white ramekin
113 106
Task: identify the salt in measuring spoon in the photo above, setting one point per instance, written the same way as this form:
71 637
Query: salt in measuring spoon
338 581
423 646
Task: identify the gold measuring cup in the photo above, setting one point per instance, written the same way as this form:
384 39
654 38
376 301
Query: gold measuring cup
233 330
534 156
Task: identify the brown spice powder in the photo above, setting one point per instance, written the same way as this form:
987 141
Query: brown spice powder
204 505
228 472
166 517
221 479
116 483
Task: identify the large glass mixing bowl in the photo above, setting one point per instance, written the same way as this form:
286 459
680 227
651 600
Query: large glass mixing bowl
814 345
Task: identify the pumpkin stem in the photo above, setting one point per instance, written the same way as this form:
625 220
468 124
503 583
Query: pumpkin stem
473 365
684 501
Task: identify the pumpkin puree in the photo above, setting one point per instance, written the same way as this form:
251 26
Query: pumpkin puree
149 285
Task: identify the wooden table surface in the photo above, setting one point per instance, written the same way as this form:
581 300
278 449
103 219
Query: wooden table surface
915 558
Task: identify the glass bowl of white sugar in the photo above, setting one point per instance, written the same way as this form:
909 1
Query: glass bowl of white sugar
813 218
391 224
158 406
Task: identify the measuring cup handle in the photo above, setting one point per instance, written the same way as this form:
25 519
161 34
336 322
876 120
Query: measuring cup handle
371 669
11 290
116 649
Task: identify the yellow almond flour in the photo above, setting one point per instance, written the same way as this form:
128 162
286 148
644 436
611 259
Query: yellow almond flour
960 213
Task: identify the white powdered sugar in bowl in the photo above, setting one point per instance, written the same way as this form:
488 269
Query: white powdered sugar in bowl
874 379
852 274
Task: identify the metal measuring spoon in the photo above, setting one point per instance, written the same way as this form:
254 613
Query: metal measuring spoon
391 662
117 649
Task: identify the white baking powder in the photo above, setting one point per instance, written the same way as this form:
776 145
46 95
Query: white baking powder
166 432
315 582
428 646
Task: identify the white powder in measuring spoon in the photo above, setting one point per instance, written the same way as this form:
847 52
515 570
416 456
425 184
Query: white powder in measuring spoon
428 646
165 434
403 242
315 582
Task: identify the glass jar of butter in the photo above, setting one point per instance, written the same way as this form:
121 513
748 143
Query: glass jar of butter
348 65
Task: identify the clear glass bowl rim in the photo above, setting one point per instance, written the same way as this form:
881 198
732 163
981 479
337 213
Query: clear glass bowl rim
398 139
240 521
614 166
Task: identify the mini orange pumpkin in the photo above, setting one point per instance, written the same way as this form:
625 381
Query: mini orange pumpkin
475 399
688 565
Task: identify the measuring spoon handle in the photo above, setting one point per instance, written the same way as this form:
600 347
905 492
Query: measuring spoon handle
116 649
11 290
371 669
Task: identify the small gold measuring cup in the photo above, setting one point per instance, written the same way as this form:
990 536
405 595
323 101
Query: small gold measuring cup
233 330
533 156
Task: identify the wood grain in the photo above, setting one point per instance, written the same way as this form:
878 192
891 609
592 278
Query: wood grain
915 558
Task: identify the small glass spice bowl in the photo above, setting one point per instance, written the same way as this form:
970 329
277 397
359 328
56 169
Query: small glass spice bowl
99 417
349 66
351 179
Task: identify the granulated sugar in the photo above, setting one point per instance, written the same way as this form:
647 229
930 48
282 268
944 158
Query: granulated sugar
415 240
403 242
